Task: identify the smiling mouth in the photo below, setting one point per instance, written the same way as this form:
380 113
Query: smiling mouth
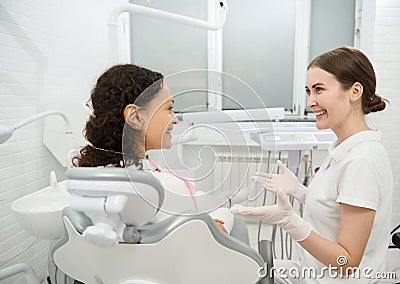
169 131
320 112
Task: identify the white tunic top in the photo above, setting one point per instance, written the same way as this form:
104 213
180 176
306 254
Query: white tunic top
356 172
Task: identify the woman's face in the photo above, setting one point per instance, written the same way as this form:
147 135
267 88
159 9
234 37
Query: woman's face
326 98
161 119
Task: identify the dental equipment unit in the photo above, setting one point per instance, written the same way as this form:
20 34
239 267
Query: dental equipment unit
299 141
298 144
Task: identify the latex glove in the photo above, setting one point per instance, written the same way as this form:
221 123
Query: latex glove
281 214
286 181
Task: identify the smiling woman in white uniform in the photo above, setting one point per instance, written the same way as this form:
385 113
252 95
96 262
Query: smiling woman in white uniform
348 203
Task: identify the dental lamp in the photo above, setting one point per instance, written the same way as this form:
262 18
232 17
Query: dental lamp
220 7
7 131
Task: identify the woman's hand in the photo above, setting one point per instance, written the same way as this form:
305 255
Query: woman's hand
287 182
281 214
220 224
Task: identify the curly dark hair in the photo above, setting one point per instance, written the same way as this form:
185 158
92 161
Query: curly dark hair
116 88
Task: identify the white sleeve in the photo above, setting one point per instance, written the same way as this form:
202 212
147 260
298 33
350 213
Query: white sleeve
360 183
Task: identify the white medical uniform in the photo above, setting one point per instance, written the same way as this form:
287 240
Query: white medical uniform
356 172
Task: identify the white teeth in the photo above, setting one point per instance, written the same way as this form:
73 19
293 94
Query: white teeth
320 112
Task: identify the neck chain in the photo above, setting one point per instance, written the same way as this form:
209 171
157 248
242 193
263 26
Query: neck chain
130 158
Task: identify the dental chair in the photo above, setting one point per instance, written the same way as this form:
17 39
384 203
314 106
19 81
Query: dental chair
109 237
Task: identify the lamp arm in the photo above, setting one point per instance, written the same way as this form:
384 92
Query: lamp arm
158 14
221 7
43 114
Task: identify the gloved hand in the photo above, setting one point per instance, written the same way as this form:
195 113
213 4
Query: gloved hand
281 214
286 181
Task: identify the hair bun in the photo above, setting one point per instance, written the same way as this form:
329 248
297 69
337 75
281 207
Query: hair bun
375 103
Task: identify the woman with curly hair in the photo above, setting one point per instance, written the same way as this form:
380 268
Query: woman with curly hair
132 113
123 94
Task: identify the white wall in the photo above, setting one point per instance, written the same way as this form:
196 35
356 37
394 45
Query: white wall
51 51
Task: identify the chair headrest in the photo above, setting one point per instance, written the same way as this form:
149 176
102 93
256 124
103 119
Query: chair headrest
114 174
111 174
145 193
